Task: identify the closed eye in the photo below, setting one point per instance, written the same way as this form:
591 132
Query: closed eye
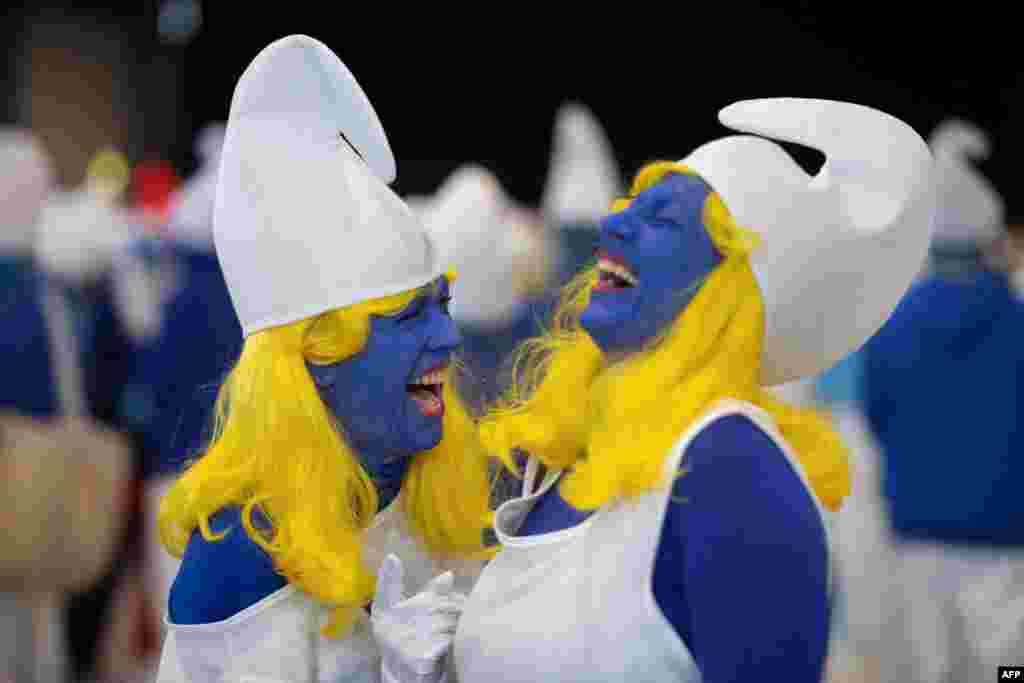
411 312
666 223
666 214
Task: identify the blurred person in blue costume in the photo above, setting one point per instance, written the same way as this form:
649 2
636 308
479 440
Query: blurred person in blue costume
85 247
30 386
942 388
659 357
514 261
177 371
505 259
337 425
70 492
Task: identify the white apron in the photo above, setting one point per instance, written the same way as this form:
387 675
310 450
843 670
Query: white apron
277 640
577 604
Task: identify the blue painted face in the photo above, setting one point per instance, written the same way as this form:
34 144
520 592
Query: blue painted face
653 257
387 397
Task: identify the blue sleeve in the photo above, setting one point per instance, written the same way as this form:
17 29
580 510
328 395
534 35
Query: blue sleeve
218 579
742 567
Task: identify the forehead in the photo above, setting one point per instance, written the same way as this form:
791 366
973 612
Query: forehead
677 195
432 290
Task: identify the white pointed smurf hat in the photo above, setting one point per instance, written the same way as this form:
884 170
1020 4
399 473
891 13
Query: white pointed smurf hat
968 208
839 248
583 177
26 179
477 227
304 221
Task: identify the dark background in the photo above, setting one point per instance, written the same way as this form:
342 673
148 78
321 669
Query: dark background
483 85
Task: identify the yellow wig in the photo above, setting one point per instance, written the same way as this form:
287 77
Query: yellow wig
276 445
614 423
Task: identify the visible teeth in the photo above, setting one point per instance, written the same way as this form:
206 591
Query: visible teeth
433 377
617 269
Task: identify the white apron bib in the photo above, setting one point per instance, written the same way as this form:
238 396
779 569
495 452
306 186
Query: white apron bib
577 605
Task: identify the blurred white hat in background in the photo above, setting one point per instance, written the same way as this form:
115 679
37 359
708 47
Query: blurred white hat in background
968 208
191 218
493 245
583 176
26 179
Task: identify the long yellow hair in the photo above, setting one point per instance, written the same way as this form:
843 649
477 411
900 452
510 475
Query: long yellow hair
277 446
614 423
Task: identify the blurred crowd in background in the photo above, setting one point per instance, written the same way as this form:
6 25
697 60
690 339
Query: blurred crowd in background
117 329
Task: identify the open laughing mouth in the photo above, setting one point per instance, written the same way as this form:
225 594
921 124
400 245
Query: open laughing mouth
613 274
427 391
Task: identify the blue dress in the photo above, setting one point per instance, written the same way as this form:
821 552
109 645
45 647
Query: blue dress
29 384
944 395
175 377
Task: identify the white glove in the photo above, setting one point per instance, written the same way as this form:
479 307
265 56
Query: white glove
414 634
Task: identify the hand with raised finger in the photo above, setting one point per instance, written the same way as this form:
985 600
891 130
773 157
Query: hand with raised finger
414 634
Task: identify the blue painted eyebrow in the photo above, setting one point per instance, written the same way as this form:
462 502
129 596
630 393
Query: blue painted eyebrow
668 207
438 288
415 305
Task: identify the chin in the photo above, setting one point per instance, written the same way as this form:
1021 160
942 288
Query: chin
627 323
603 323
428 437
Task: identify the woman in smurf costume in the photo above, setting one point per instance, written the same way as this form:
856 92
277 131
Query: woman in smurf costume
680 533
337 406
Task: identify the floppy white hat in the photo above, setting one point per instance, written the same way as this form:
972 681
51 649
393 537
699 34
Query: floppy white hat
838 249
